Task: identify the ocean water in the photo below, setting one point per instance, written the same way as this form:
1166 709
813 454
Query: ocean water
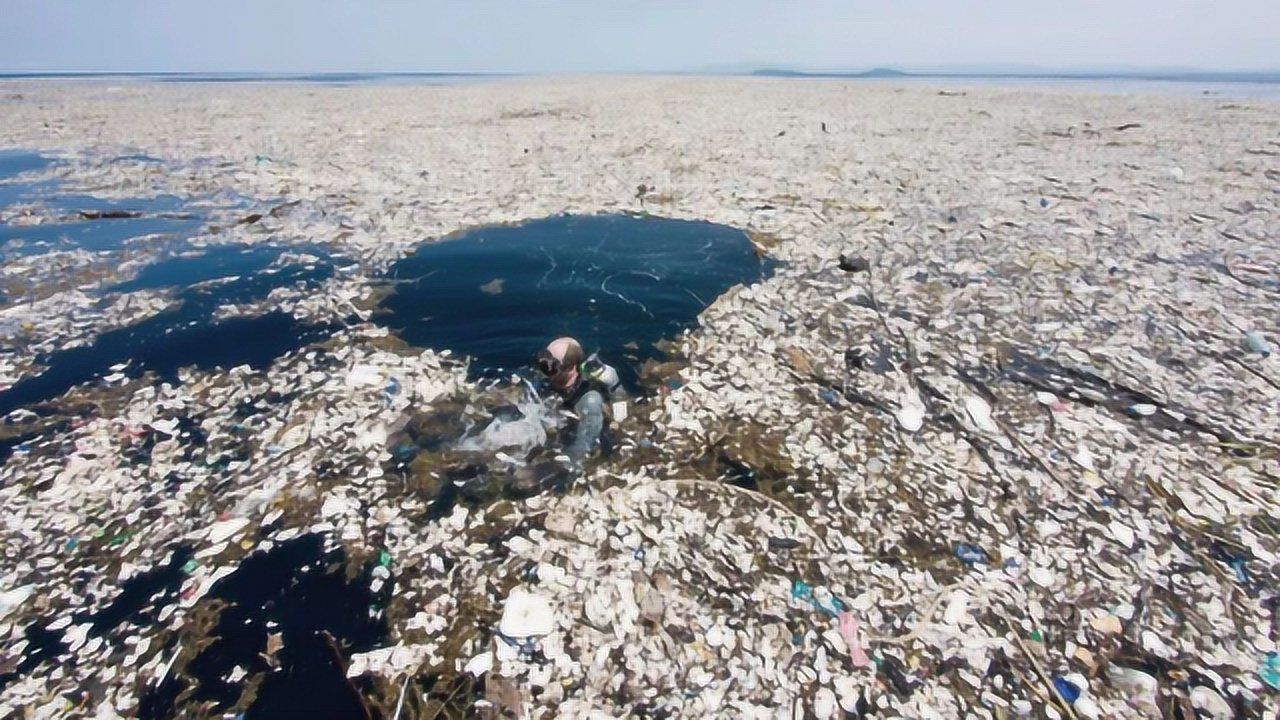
618 283
15 162
201 279
186 336
301 592
94 236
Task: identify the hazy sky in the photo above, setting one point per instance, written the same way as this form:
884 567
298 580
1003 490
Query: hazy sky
603 36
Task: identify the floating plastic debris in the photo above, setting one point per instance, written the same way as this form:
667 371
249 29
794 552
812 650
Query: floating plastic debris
970 554
1257 343
1091 423
526 614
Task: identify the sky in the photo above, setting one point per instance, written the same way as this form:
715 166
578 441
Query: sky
543 36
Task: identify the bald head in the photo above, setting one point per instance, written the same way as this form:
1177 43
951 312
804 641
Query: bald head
568 352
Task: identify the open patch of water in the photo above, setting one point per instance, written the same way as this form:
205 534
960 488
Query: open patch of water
203 280
92 223
222 261
183 336
618 283
92 235
140 599
162 345
317 614
16 162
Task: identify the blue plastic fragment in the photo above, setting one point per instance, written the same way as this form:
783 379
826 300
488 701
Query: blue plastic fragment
970 554
524 646
1241 576
828 396
1044 202
1066 689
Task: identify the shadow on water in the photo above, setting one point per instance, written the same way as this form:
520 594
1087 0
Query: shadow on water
184 336
618 283
137 158
321 612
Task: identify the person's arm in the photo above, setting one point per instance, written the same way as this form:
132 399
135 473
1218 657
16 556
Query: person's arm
590 412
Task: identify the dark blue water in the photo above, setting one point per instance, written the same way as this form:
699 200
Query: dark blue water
205 280
184 336
15 192
618 283
301 592
138 602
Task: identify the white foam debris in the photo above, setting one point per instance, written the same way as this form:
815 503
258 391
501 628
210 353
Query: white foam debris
526 614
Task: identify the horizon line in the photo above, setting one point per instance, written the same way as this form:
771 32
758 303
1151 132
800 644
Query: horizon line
966 70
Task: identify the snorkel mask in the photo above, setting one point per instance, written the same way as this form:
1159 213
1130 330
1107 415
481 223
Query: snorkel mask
549 365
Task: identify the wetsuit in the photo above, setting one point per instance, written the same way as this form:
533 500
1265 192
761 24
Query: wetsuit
586 401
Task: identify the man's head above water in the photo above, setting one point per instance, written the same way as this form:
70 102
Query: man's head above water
560 361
